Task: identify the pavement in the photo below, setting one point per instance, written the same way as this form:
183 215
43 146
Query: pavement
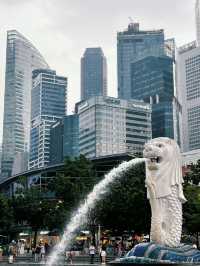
82 260
23 263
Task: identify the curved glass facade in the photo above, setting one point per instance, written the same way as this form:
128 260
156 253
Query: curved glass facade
21 58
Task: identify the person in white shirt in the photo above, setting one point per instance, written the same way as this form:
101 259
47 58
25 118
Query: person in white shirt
92 253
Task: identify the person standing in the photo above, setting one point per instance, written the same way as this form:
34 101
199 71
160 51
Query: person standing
100 249
92 253
69 255
22 246
37 253
12 252
1 253
28 247
103 255
42 251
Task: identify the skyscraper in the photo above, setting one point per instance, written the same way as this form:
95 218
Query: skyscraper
21 58
64 139
110 126
93 73
197 18
152 81
0 156
48 105
188 85
134 44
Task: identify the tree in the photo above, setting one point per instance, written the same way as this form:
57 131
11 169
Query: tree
76 181
6 215
125 207
191 209
31 208
193 176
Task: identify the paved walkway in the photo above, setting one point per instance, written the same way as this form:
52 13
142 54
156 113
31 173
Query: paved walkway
82 260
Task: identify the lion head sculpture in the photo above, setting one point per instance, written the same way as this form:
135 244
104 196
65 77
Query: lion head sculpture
163 166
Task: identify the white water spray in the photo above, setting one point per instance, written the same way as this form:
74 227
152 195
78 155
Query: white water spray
80 215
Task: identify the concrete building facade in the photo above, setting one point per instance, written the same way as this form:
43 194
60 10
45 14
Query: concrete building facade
110 126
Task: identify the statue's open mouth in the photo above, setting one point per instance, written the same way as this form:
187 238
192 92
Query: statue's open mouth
155 159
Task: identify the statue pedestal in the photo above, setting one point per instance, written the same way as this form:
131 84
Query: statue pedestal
151 253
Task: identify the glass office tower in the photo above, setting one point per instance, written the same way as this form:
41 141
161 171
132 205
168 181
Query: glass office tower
49 104
93 73
134 44
152 81
64 139
21 58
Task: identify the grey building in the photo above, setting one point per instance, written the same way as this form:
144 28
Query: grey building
152 81
21 58
188 86
93 73
197 19
0 156
64 139
48 105
109 126
133 45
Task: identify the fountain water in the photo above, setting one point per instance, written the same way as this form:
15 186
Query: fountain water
80 215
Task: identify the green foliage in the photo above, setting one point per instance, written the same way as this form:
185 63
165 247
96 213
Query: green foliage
76 181
31 207
6 215
125 207
193 176
192 209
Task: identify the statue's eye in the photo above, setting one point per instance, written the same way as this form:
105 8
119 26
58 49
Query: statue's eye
160 145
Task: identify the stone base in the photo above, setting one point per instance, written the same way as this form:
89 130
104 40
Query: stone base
116 263
151 253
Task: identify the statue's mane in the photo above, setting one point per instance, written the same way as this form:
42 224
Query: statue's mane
170 174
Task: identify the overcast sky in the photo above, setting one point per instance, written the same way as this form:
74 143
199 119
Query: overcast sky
62 29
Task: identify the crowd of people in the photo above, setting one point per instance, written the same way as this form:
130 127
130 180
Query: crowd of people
21 248
42 250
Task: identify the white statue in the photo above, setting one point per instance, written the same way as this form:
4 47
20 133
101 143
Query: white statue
164 190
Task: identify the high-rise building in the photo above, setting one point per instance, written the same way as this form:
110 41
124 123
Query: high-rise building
197 18
0 156
188 86
48 105
64 139
152 81
133 45
110 126
170 48
21 58
93 73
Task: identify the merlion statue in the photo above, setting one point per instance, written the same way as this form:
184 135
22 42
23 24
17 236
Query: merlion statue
165 193
164 190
